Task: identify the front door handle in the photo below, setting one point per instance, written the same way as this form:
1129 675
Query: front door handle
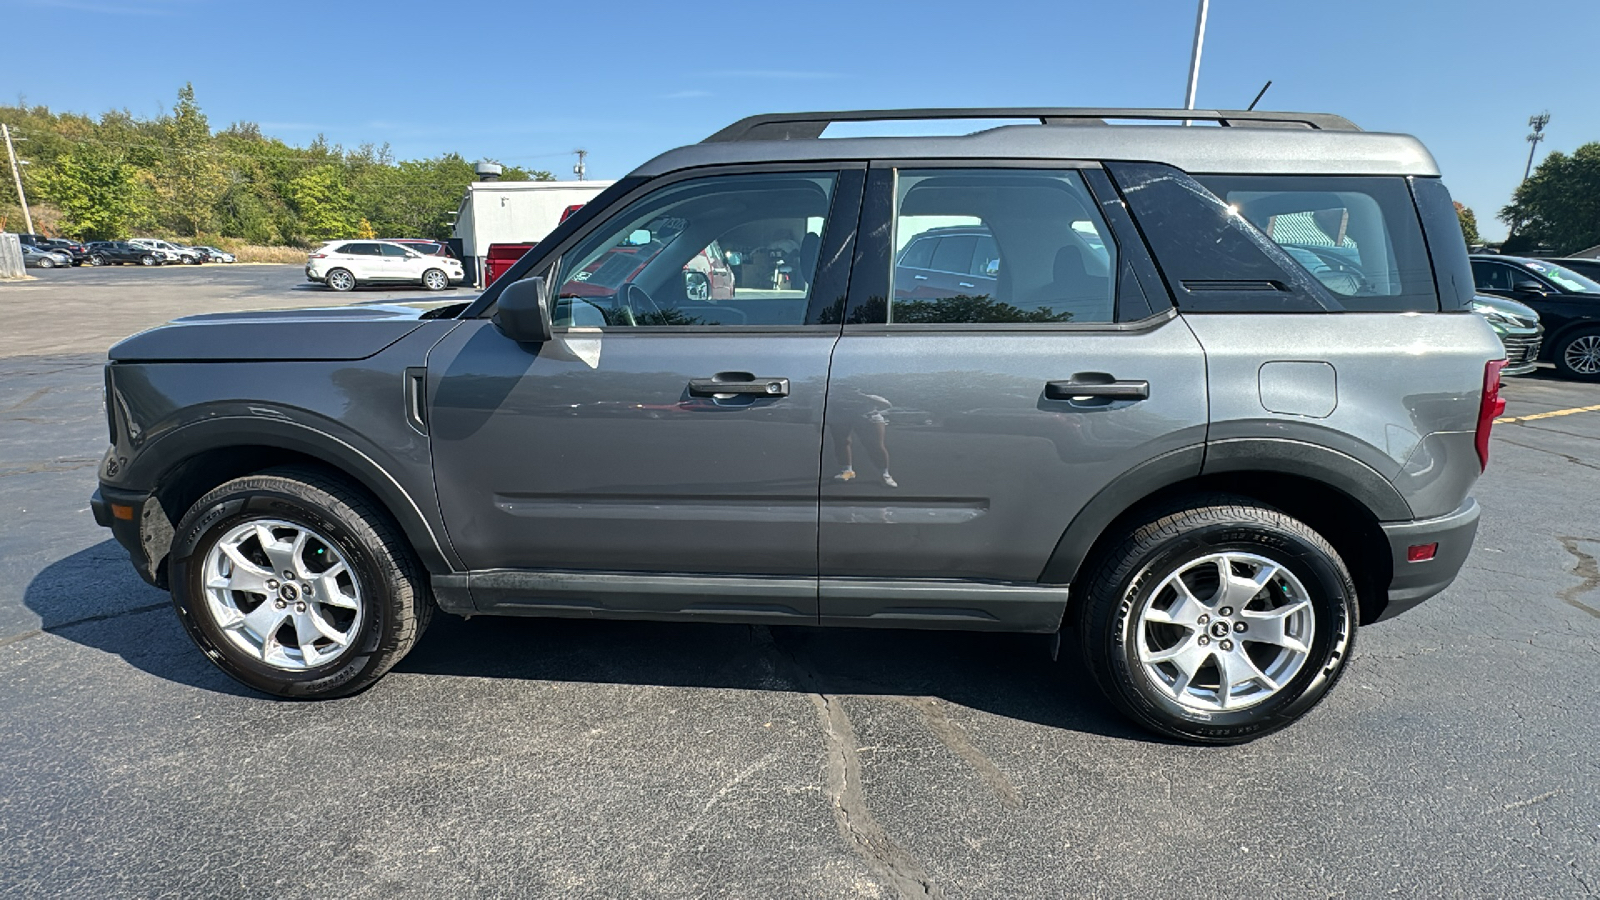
738 383
1102 387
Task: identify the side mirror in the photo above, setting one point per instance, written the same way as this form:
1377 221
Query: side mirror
1530 286
523 311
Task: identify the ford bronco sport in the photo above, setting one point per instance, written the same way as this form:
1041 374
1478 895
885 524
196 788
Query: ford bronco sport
1212 398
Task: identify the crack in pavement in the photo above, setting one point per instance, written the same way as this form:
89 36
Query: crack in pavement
950 733
45 629
1587 569
1566 456
889 861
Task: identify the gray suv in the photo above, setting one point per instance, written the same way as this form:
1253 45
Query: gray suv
1215 398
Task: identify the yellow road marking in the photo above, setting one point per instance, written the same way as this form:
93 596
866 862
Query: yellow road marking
1548 415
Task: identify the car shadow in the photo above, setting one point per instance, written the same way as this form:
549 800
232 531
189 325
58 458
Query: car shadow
1009 675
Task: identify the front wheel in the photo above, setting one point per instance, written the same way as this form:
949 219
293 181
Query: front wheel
1578 355
341 280
1218 623
435 280
296 584
97 259
147 260
47 263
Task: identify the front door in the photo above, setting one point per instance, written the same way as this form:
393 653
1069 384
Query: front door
663 432
967 427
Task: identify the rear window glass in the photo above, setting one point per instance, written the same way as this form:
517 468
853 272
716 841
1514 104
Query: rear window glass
1358 236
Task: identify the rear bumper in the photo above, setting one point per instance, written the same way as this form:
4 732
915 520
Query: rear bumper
124 512
1415 582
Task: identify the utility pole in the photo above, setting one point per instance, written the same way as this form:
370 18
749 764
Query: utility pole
16 173
1537 123
580 169
1194 57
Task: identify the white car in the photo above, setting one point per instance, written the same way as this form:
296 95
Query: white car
342 265
171 252
216 255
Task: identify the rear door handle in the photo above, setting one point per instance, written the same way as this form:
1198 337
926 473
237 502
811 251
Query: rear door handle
1082 387
738 383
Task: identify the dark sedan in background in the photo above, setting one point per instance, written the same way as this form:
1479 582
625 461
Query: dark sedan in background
1568 305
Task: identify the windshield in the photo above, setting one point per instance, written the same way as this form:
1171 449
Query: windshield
1565 278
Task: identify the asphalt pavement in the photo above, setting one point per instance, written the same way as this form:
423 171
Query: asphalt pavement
523 757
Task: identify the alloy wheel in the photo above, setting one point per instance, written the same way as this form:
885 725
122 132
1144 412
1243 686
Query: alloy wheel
283 593
1225 632
1582 354
435 280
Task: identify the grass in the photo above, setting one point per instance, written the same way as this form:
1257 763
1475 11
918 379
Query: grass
257 254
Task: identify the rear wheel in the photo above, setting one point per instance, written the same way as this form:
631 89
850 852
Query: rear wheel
1578 355
1219 623
296 584
341 280
435 280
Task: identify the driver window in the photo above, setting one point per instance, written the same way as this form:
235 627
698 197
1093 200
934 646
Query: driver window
725 250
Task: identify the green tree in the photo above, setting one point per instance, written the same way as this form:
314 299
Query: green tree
97 191
323 203
190 181
1469 225
1559 205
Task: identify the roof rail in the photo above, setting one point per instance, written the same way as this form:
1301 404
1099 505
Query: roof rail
802 126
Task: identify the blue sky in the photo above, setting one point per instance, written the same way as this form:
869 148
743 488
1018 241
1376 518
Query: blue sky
527 83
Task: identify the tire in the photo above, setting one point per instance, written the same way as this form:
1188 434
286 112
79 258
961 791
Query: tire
1131 619
98 259
47 263
380 576
340 280
147 261
1578 355
435 280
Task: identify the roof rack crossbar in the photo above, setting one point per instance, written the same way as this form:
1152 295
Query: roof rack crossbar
803 126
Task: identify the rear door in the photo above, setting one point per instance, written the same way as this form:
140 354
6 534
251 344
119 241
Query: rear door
967 426
665 441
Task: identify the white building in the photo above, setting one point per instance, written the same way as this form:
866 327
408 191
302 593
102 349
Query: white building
514 212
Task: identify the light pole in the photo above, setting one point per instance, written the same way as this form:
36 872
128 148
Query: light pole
1537 123
17 174
1194 57
581 169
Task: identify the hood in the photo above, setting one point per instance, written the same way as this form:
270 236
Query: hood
1519 314
332 333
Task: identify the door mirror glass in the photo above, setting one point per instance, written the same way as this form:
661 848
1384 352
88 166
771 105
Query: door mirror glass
523 311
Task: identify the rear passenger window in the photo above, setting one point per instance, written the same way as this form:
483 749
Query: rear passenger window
1358 237
1013 246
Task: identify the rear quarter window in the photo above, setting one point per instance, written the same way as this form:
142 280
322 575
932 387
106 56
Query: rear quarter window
1359 237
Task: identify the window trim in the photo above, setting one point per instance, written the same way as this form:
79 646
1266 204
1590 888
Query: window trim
873 272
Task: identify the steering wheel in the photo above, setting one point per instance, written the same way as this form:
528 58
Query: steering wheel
632 299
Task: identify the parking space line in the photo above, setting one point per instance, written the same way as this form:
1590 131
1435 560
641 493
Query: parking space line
1548 415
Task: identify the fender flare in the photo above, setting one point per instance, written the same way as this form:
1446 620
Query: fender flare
155 462
1342 472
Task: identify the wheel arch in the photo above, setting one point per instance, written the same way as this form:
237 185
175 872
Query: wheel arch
206 454
1332 493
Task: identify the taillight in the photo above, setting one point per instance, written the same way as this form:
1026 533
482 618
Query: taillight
1489 408
319 256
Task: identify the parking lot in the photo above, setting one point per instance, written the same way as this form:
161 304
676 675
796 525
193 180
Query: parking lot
1458 757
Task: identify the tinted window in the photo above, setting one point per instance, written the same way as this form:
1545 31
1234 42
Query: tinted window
393 250
919 253
1358 237
726 250
954 254
1012 242
1492 276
